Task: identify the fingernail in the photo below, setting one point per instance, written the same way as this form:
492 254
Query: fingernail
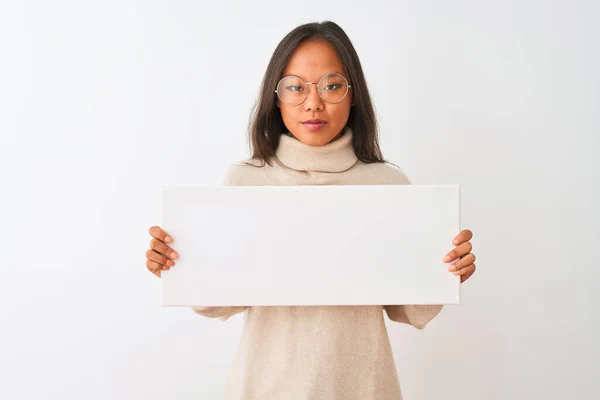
174 255
452 268
457 272
447 258
168 239
170 263
455 242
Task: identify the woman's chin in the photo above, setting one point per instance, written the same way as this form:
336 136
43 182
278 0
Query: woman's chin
314 138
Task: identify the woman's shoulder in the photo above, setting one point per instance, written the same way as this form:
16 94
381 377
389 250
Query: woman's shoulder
253 172
245 173
383 173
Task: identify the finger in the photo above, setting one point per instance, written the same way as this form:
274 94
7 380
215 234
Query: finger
460 251
154 267
463 262
152 255
157 232
466 270
160 247
468 274
462 237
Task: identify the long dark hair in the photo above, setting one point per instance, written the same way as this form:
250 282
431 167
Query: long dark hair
266 124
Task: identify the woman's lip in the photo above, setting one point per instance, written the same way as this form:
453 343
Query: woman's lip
313 126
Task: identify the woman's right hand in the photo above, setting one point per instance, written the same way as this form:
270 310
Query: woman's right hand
160 257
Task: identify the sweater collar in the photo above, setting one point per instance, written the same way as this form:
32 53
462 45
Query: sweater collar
335 156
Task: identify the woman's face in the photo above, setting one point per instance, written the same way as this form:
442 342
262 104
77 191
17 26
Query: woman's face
311 61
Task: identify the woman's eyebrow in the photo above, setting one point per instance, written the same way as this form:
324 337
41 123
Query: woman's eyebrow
305 80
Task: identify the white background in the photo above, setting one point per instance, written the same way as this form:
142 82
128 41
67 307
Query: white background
101 103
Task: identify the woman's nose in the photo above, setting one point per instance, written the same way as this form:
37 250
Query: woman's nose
313 101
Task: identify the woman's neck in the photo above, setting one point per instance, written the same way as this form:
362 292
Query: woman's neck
336 156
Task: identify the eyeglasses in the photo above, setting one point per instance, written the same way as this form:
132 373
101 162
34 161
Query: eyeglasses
332 88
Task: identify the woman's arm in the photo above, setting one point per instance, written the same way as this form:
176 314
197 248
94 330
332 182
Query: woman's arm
235 176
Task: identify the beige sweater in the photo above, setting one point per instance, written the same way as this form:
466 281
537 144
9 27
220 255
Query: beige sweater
314 353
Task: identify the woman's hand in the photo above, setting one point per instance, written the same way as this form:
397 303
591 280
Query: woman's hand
465 266
160 256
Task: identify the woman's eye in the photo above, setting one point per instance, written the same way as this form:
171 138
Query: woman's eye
333 86
294 88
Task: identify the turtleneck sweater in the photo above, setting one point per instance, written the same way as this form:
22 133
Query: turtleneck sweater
317 352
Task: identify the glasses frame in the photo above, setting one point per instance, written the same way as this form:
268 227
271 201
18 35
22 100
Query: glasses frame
348 86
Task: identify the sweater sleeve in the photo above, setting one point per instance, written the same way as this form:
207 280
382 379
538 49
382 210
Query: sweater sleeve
417 315
223 313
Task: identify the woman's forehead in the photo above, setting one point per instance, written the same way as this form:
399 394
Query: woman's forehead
313 59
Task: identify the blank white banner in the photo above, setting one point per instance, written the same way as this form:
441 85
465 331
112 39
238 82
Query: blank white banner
311 245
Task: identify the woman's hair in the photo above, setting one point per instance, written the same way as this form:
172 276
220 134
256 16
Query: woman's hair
266 124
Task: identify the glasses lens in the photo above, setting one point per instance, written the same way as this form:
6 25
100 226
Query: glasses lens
291 90
333 87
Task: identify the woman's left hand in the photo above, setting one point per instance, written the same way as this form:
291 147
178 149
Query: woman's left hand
464 266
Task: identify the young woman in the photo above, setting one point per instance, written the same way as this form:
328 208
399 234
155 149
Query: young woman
314 124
